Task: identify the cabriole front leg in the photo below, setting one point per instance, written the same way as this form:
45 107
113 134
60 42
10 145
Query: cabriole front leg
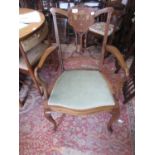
48 115
115 115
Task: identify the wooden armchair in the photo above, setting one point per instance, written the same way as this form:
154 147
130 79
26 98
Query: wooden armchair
81 91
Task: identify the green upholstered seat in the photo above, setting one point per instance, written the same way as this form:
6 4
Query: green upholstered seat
81 89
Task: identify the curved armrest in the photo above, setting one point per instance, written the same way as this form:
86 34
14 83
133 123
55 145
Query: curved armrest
46 53
119 57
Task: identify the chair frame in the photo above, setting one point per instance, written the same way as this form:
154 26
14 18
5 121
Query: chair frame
48 109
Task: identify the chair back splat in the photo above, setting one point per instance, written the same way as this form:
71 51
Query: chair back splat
81 18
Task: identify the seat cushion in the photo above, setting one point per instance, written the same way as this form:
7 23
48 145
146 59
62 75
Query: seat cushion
99 28
81 89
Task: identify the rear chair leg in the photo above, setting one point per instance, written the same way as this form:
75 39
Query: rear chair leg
115 115
50 118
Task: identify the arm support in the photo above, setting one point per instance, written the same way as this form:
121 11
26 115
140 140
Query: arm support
114 51
47 52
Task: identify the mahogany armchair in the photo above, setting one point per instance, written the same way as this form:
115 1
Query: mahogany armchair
81 91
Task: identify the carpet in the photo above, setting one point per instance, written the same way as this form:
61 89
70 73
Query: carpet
82 135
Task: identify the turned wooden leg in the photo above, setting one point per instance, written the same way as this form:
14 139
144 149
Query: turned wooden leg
50 118
115 115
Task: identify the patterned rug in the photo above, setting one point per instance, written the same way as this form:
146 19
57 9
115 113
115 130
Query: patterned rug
82 135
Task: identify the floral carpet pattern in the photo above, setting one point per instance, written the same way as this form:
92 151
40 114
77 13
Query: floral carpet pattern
82 135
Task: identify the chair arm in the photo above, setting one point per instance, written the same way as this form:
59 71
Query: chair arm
46 53
113 50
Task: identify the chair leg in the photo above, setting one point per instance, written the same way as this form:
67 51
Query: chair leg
115 115
50 118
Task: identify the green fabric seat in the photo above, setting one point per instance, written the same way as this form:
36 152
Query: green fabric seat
81 89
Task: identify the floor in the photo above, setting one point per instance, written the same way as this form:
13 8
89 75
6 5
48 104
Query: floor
82 135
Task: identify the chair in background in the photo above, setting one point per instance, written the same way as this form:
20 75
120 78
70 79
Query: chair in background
31 49
115 23
99 28
81 91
